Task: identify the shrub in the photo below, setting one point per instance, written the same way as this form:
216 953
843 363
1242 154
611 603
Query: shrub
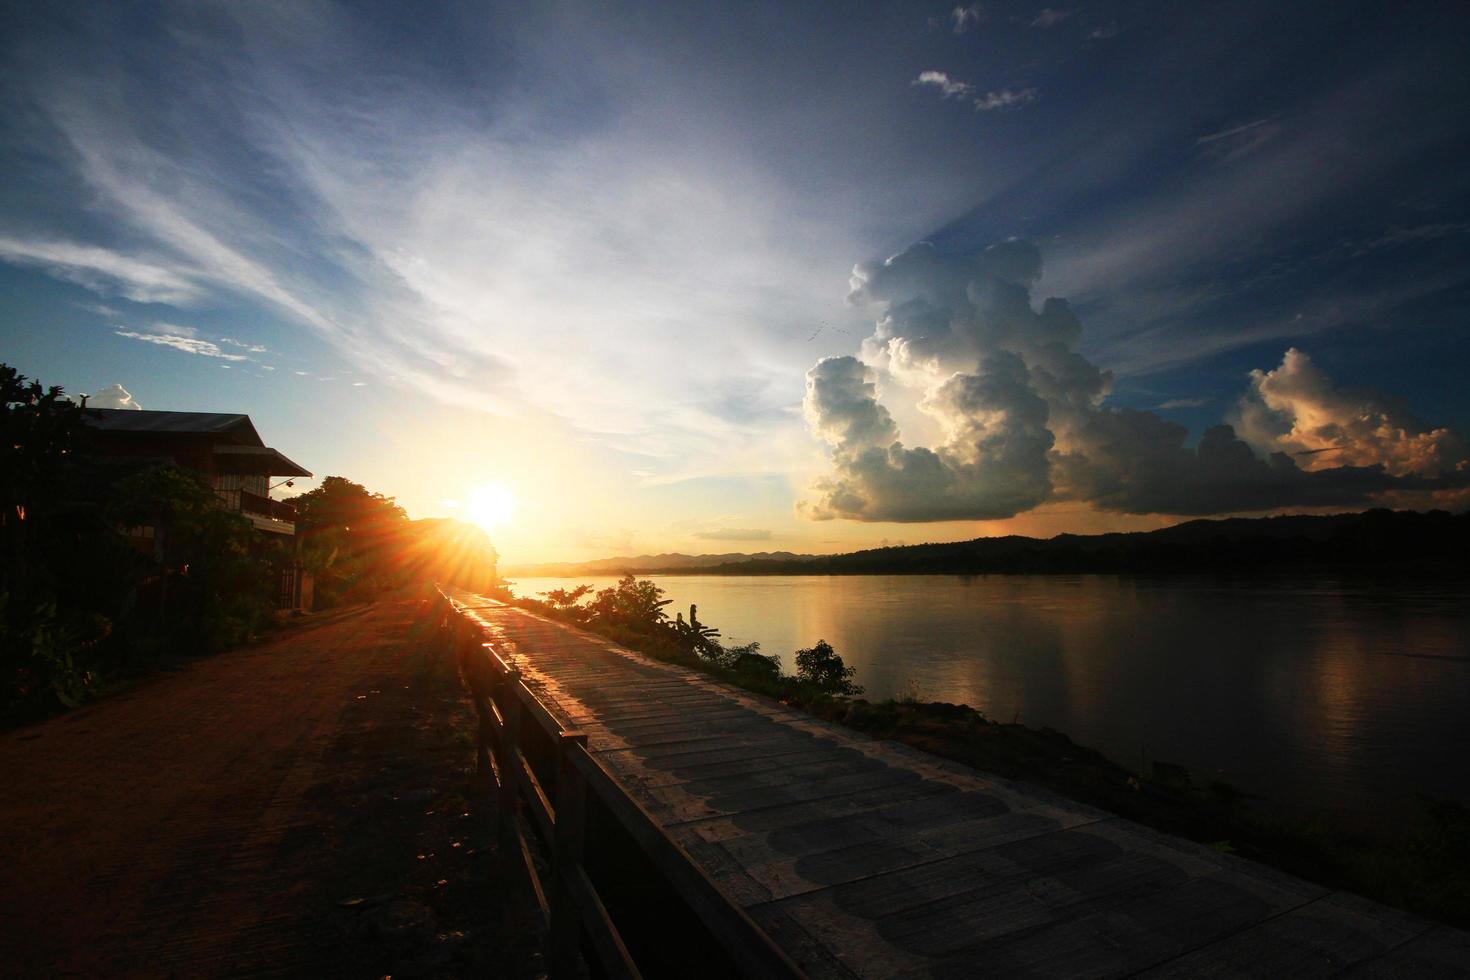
823 669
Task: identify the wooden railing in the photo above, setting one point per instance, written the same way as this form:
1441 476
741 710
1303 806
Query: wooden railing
544 782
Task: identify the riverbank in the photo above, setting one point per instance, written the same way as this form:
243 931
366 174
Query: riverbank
1423 866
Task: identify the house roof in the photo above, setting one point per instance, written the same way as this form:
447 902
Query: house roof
260 460
237 428
233 441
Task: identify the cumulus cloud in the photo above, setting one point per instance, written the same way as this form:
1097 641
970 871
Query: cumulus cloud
1022 419
1295 408
113 396
182 342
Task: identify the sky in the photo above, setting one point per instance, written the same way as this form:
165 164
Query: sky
712 277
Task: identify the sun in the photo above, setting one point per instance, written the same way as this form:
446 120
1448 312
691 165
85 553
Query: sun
490 505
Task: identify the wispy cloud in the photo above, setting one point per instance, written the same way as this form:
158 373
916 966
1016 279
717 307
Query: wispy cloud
734 534
104 271
1006 98
174 329
1174 403
963 19
243 345
564 276
1051 16
179 342
953 88
1232 131
1397 237
1231 144
1157 245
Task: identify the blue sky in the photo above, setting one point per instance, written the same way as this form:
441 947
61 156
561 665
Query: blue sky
594 253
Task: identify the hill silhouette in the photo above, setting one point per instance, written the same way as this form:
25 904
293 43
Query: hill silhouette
1432 542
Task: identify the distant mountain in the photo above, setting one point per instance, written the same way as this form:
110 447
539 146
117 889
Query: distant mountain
1436 541
643 564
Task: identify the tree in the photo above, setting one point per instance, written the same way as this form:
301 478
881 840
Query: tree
350 537
821 667
634 604
39 430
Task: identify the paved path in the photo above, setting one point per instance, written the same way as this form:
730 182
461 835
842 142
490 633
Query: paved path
207 822
866 858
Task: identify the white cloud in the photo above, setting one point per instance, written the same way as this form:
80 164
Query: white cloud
113 396
1022 421
1295 408
1050 17
952 88
252 348
948 87
604 273
1006 98
189 345
104 271
963 19
174 329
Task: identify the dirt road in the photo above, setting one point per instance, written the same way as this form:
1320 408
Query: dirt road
294 808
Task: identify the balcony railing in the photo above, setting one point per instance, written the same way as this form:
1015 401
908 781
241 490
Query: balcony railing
254 503
264 513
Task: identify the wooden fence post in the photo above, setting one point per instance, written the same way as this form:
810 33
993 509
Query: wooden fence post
565 935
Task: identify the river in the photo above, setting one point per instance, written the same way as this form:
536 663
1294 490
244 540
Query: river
1348 696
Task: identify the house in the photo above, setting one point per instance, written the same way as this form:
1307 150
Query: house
227 450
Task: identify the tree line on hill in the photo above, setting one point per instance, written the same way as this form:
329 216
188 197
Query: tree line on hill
81 604
1376 540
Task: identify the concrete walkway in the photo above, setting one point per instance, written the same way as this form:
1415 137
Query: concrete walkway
864 858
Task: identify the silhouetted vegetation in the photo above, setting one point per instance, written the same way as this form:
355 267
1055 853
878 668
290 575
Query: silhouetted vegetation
359 544
86 597
1375 540
632 613
81 598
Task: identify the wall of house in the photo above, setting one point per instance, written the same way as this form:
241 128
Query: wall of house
243 481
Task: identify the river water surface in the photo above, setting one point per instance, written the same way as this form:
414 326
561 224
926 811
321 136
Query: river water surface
1317 693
